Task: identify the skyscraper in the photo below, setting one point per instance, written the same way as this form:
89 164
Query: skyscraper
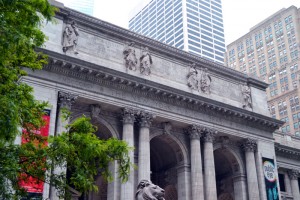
271 51
195 26
85 6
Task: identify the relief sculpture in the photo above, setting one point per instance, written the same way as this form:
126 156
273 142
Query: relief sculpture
70 37
246 92
145 62
199 80
130 57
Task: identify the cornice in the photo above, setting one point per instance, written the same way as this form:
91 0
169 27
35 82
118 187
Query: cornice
287 151
158 47
73 67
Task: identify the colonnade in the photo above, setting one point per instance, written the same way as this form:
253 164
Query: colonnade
203 185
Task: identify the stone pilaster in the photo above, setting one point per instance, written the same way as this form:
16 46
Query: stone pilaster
249 146
65 101
196 163
145 120
209 164
294 174
128 188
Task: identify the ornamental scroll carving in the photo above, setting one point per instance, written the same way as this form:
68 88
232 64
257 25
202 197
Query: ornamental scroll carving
246 92
66 100
70 37
249 145
145 118
131 61
293 174
199 79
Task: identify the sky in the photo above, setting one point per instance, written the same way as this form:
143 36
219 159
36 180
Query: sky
238 15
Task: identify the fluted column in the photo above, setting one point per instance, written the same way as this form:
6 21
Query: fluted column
65 102
145 120
209 165
196 164
287 182
249 146
127 189
294 174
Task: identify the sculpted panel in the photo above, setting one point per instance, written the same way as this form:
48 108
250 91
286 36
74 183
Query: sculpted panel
145 62
70 37
199 79
246 92
130 57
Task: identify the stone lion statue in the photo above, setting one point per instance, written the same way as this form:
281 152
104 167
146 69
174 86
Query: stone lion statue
146 190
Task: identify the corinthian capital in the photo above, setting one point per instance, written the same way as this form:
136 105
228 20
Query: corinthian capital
293 174
145 119
194 132
128 115
208 134
66 99
249 145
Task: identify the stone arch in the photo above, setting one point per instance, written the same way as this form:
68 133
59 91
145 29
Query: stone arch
168 153
236 155
107 131
230 171
100 120
180 146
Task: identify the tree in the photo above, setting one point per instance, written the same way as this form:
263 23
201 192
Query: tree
20 35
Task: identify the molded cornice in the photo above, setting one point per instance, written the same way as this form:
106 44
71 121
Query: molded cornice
73 67
287 151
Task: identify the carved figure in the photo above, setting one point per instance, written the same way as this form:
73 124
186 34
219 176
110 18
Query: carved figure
193 77
145 62
146 190
205 81
130 57
200 81
70 37
246 96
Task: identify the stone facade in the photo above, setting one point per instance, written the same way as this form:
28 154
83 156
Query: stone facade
194 143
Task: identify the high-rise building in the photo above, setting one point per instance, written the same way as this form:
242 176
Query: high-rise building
85 6
270 51
195 26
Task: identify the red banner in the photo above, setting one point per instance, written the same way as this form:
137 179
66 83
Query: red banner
31 184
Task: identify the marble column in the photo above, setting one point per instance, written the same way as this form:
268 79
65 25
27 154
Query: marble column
294 174
240 188
249 146
128 188
196 164
65 102
209 165
145 120
287 183
184 182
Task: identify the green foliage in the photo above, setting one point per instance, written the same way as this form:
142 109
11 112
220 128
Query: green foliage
20 34
85 155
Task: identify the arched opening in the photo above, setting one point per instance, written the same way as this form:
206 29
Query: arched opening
103 132
165 155
226 168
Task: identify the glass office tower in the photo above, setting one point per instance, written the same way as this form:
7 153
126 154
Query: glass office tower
195 26
84 6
